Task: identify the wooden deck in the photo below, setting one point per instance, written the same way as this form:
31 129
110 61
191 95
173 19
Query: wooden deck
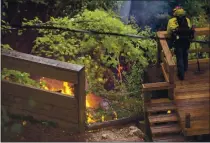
192 96
189 98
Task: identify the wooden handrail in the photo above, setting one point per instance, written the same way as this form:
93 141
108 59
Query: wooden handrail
202 31
166 50
164 73
200 50
198 32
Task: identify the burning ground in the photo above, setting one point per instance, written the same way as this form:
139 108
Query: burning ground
99 109
93 102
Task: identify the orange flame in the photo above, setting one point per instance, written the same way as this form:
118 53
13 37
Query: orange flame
56 85
92 101
119 69
90 118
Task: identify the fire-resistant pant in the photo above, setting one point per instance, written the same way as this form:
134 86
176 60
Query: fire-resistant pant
181 51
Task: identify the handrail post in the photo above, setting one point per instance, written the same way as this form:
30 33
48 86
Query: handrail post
159 53
81 98
171 81
147 99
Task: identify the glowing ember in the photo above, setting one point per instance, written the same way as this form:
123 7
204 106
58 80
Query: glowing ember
102 118
90 118
115 115
169 111
24 123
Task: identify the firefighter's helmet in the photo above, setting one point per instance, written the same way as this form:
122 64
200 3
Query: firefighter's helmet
179 11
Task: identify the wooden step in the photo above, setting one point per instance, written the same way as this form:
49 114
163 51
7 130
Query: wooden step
158 101
165 129
160 107
163 118
169 138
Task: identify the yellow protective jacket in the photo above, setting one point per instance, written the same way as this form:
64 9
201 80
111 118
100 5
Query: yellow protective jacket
173 24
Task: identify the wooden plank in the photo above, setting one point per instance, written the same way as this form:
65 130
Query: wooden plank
194 132
165 129
191 87
40 66
81 99
166 67
161 100
194 101
202 31
190 109
171 81
201 61
72 127
197 124
157 86
162 55
171 74
70 116
195 108
191 78
163 118
39 95
192 94
198 31
161 104
166 49
159 52
122 121
169 138
66 115
200 50
164 73
195 114
161 107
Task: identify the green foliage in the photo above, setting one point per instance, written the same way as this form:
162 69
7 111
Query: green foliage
96 52
104 4
198 11
5 27
133 80
193 7
6 47
100 53
18 77
197 46
62 8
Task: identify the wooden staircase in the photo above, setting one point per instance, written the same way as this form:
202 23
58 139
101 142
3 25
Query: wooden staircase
164 126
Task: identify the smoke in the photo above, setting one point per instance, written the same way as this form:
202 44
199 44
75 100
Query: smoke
147 13
125 11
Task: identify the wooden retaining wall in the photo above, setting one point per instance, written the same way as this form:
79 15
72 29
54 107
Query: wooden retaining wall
67 111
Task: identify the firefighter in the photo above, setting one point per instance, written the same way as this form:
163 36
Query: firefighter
180 33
